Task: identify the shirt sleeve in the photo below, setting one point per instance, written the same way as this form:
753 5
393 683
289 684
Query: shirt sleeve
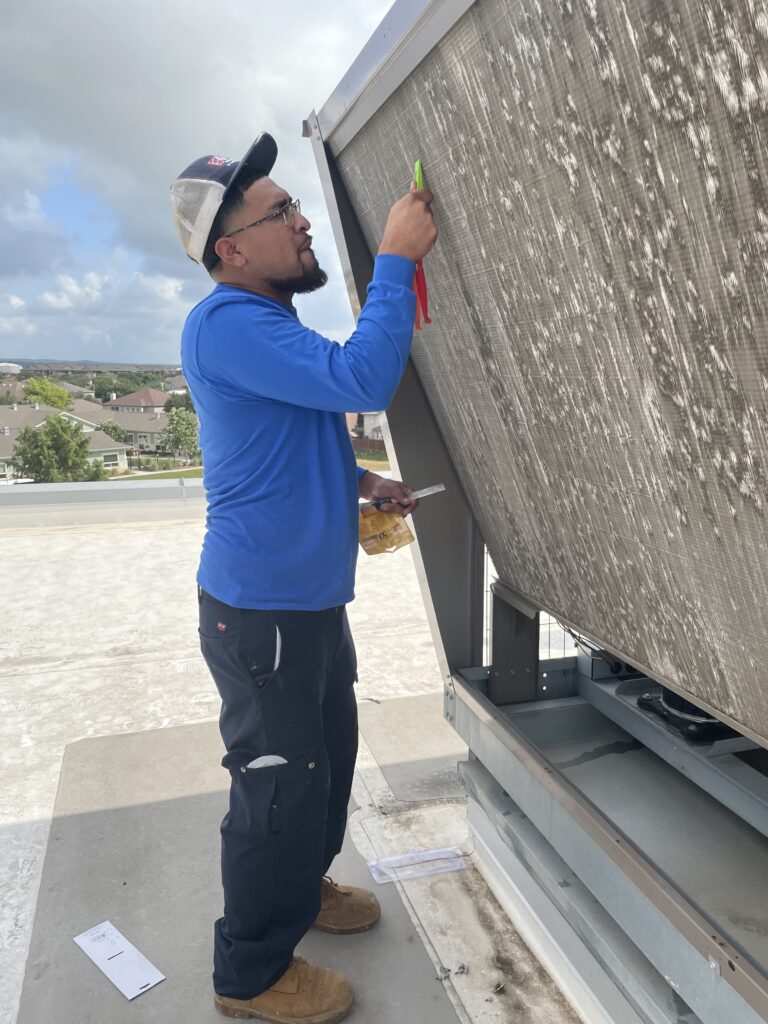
360 473
265 351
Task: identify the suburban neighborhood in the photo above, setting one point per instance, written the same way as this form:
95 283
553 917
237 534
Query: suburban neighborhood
135 420
151 427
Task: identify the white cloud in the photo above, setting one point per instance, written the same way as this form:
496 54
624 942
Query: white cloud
138 110
27 213
168 288
15 302
134 318
128 95
12 326
56 301
72 293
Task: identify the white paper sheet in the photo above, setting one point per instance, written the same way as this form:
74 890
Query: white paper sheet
119 959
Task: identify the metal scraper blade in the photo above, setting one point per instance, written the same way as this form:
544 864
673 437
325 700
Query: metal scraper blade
426 491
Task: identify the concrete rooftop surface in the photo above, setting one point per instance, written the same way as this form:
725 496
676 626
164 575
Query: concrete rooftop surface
104 695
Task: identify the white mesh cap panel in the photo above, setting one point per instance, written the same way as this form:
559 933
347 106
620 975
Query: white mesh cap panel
195 203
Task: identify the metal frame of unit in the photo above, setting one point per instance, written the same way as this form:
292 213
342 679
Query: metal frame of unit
658 925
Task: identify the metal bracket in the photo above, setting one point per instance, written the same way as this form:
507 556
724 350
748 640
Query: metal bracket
514 651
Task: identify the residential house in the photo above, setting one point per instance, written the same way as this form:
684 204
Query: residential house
373 425
18 415
32 414
74 390
13 419
142 429
144 400
91 413
176 385
12 390
7 440
103 448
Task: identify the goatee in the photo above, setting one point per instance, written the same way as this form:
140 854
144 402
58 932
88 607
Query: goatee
314 277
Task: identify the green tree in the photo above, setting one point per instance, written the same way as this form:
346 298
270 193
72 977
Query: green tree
55 452
180 436
113 430
39 389
179 402
146 378
83 380
104 385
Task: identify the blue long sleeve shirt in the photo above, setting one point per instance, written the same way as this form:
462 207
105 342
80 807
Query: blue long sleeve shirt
279 467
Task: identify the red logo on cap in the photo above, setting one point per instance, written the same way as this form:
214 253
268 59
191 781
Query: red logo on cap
222 627
218 161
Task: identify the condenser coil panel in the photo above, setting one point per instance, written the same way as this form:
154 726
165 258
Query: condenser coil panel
598 360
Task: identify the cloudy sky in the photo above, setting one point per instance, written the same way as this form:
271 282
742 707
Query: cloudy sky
105 103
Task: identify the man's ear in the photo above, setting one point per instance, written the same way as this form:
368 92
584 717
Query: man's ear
228 252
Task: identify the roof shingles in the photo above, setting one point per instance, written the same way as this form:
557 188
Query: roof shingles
145 398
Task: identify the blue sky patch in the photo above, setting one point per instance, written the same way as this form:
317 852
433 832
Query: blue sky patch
85 219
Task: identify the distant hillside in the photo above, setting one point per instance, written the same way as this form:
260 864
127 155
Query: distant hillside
59 366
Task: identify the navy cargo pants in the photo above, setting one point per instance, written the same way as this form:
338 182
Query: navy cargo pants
289 724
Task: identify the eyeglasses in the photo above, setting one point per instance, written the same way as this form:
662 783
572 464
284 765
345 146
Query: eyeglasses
287 211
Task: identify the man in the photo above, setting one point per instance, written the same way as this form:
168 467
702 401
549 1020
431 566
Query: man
278 561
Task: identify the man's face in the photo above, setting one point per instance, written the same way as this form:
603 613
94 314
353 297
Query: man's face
274 253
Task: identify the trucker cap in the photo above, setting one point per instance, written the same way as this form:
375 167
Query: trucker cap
199 191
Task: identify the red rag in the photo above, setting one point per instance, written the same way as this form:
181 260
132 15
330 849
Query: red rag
422 298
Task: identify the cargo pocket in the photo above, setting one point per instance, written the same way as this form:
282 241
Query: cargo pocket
301 792
252 795
278 797
262 651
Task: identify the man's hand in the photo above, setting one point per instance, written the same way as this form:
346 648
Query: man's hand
410 229
373 487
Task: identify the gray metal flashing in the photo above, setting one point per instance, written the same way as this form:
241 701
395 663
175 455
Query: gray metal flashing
724 776
332 190
530 863
409 31
564 955
707 971
506 593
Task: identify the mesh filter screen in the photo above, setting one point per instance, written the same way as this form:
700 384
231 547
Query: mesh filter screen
195 203
598 362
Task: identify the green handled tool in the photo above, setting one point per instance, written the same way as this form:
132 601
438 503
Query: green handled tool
420 280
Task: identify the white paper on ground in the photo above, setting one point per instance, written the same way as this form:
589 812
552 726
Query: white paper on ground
417 864
119 959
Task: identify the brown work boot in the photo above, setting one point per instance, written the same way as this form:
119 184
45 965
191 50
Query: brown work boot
306 994
345 909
